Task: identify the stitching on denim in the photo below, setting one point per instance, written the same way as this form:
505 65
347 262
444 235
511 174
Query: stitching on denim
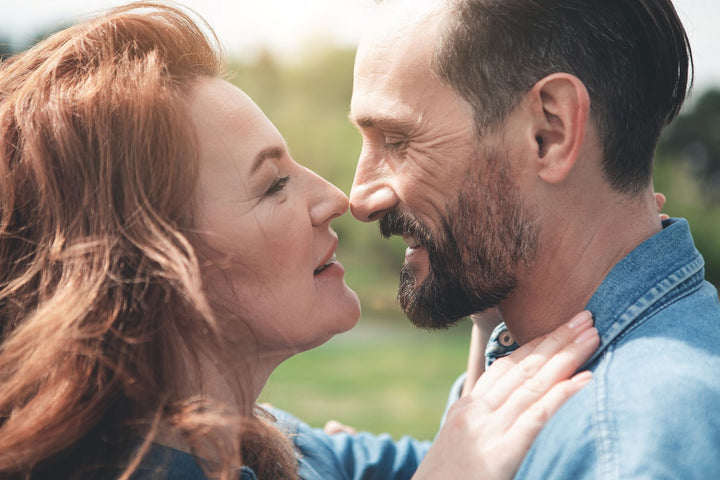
603 422
676 280
681 283
685 289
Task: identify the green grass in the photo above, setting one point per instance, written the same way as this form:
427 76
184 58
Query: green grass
384 376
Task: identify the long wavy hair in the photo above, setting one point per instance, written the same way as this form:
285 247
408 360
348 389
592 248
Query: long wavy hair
102 309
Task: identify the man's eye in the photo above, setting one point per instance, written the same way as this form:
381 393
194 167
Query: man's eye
278 185
394 143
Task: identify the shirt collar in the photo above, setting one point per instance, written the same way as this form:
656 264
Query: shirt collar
647 274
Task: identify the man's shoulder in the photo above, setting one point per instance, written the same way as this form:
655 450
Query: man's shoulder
651 403
665 426
664 364
677 330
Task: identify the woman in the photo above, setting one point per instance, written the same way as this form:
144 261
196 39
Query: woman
162 254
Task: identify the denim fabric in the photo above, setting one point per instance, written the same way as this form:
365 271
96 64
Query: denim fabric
362 456
168 463
652 409
321 456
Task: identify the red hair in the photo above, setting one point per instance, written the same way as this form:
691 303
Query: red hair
101 298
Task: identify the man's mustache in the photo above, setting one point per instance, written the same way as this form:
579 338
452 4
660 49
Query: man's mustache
401 224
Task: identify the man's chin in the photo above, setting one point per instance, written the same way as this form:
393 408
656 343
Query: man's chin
429 320
422 304
435 305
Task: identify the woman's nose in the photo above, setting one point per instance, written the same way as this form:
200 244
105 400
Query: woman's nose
328 201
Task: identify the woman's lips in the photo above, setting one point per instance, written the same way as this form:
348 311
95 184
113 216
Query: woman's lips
330 261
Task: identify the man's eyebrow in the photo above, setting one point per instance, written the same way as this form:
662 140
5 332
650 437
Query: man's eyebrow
365 122
266 153
373 120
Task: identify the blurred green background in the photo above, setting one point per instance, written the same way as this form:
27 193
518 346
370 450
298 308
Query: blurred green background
386 376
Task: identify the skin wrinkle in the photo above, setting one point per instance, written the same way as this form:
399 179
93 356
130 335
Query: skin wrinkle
553 135
424 155
418 180
256 242
473 259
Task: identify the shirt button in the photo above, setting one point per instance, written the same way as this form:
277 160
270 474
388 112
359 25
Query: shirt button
506 339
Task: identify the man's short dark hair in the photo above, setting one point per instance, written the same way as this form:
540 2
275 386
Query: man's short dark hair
632 55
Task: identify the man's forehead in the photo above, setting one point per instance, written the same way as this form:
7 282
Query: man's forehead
397 18
393 65
419 6
398 45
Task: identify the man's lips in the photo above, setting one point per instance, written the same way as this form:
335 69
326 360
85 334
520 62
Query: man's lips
411 241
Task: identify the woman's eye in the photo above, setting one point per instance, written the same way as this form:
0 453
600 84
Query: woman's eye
278 185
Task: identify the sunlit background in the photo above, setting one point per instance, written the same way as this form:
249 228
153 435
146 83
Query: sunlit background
285 27
294 57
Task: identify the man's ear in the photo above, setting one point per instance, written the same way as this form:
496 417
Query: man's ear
560 106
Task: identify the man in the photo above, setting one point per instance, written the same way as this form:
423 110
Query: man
511 144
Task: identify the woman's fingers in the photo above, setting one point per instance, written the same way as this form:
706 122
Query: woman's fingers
533 419
526 428
659 202
557 368
503 365
491 429
333 426
497 384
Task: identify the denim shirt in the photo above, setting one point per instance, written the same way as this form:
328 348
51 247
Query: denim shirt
652 409
170 464
362 456
320 456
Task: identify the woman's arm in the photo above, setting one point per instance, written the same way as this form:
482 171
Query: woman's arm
483 325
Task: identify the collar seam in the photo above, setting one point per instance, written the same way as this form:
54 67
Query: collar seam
670 289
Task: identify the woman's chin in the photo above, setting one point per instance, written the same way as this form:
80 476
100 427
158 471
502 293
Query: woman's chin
345 319
346 313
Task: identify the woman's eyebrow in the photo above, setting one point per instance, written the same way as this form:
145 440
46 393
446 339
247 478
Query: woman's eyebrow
266 153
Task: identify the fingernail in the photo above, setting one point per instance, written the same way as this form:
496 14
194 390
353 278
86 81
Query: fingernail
586 335
582 378
580 319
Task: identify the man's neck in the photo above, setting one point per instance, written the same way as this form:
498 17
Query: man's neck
574 256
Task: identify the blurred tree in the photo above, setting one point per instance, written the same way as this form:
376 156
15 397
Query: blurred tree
5 48
694 139
687 170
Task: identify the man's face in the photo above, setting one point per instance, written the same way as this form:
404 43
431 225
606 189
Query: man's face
424 175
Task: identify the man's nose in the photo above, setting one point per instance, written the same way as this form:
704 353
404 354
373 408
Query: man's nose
372 193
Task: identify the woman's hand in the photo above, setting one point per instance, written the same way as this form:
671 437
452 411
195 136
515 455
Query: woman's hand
488 432
659 203
483 325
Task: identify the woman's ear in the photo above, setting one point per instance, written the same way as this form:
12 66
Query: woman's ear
560 106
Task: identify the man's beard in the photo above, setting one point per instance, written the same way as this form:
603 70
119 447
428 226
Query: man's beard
485 237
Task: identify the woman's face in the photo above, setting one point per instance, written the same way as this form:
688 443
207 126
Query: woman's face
267 221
